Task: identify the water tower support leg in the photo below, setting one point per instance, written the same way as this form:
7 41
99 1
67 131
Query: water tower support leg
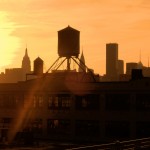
83 68
60 64
68 64
53 65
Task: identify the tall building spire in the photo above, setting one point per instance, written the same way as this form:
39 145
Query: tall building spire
26 65
82 63
26 51
140 65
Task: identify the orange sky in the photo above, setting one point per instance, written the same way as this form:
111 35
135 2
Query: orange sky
36 22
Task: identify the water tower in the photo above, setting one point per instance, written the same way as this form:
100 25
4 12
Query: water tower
69 49
68 42
38 66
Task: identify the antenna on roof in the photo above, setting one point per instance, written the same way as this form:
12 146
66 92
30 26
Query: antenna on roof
140 55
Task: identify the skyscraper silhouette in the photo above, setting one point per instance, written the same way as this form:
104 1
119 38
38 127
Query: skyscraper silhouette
120 67
26 64
111 61
130 66
82 66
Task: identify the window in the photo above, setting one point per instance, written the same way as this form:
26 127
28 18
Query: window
10 101
87 127
59 101
40 101
36 126
87 102
5 122
50 102
65 101
117 102
37 101
58 126
33 126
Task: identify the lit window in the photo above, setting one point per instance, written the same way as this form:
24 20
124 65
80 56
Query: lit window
40 101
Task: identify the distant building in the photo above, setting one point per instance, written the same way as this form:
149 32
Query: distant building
26 64
140 65
38 66
82 66
124 77
112 61
134 66
130 66
146 71
120 67
13 75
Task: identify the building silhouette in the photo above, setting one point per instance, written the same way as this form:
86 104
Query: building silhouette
26 64
120 67
82 66
130 66
38 66
140 65
146 71
13 75
112 61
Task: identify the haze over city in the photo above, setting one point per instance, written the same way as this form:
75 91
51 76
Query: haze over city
34 23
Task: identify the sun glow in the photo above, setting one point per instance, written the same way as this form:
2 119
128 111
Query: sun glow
8 43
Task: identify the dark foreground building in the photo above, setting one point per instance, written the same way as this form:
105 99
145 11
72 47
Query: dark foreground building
60 106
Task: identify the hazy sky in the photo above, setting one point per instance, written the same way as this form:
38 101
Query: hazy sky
36 22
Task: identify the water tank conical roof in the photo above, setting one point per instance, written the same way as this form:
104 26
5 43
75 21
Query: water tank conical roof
38 59
68 42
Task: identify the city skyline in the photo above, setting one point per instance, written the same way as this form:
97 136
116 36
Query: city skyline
36 23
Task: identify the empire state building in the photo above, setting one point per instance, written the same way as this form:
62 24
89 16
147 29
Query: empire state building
26 64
